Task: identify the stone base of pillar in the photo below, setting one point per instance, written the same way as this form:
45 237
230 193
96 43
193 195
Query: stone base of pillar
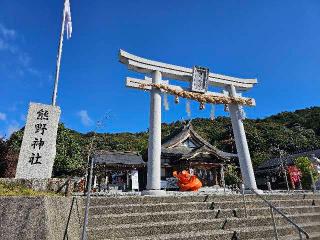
248 191
153 193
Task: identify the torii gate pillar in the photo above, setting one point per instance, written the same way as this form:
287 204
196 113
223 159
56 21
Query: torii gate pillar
154 144
241 143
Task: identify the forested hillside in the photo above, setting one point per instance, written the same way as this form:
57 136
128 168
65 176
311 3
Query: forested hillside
288 132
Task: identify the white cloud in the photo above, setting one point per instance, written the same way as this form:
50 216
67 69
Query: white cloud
34 71
24 59
6 46
23 117
7 36
16 105
9 42
3 116
3 45
13 127
84 117
7 33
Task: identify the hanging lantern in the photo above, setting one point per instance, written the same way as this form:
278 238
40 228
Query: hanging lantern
226 108
176 99
212 113
165 101
202 106
188 108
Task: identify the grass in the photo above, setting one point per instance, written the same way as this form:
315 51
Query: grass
13 189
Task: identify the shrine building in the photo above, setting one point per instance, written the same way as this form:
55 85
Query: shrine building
119 170
184 149
187 150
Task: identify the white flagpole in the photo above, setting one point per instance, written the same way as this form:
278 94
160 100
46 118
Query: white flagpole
55 90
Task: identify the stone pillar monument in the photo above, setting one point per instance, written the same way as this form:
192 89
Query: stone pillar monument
38 148
241 143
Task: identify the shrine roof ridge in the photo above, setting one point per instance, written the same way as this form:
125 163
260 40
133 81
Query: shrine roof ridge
287 160
169 144
115 157
147 66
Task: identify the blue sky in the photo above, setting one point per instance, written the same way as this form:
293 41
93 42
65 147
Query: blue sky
277 42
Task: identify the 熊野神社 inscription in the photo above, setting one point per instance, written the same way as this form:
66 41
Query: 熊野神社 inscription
38 149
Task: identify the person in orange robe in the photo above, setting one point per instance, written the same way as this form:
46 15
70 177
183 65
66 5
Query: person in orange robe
187 182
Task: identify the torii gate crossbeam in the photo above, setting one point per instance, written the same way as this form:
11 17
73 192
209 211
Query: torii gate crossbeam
230 85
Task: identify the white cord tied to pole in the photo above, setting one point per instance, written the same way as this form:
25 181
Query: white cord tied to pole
242 113
165 101
226 108
176 99
212 112
202 106
188 108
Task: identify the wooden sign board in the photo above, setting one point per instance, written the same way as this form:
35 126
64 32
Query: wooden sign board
135 179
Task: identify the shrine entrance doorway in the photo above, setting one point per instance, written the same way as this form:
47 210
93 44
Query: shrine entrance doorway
209 174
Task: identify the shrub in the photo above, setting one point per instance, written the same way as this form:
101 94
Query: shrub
231 175
14 189
307 171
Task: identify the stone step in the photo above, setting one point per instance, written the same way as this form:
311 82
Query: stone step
265 211
203 235
248 233
149 207
290 210
232 223
147 229
102 200
171 227
127 218
313 236
258 203
166 207
284 231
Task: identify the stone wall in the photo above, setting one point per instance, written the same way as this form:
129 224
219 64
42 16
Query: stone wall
41 218
62 185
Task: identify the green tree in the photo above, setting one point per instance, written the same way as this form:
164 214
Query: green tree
289 132
3 153
232 176
70 154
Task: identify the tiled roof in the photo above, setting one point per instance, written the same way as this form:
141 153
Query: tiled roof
287 160
114 157
171 144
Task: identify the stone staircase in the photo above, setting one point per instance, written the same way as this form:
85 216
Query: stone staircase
201 217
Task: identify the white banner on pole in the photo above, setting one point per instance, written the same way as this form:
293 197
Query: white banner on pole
68 21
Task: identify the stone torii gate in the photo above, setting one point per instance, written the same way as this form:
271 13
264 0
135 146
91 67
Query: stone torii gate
199 79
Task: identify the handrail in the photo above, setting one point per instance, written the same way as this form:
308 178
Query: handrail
84 235
281 213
